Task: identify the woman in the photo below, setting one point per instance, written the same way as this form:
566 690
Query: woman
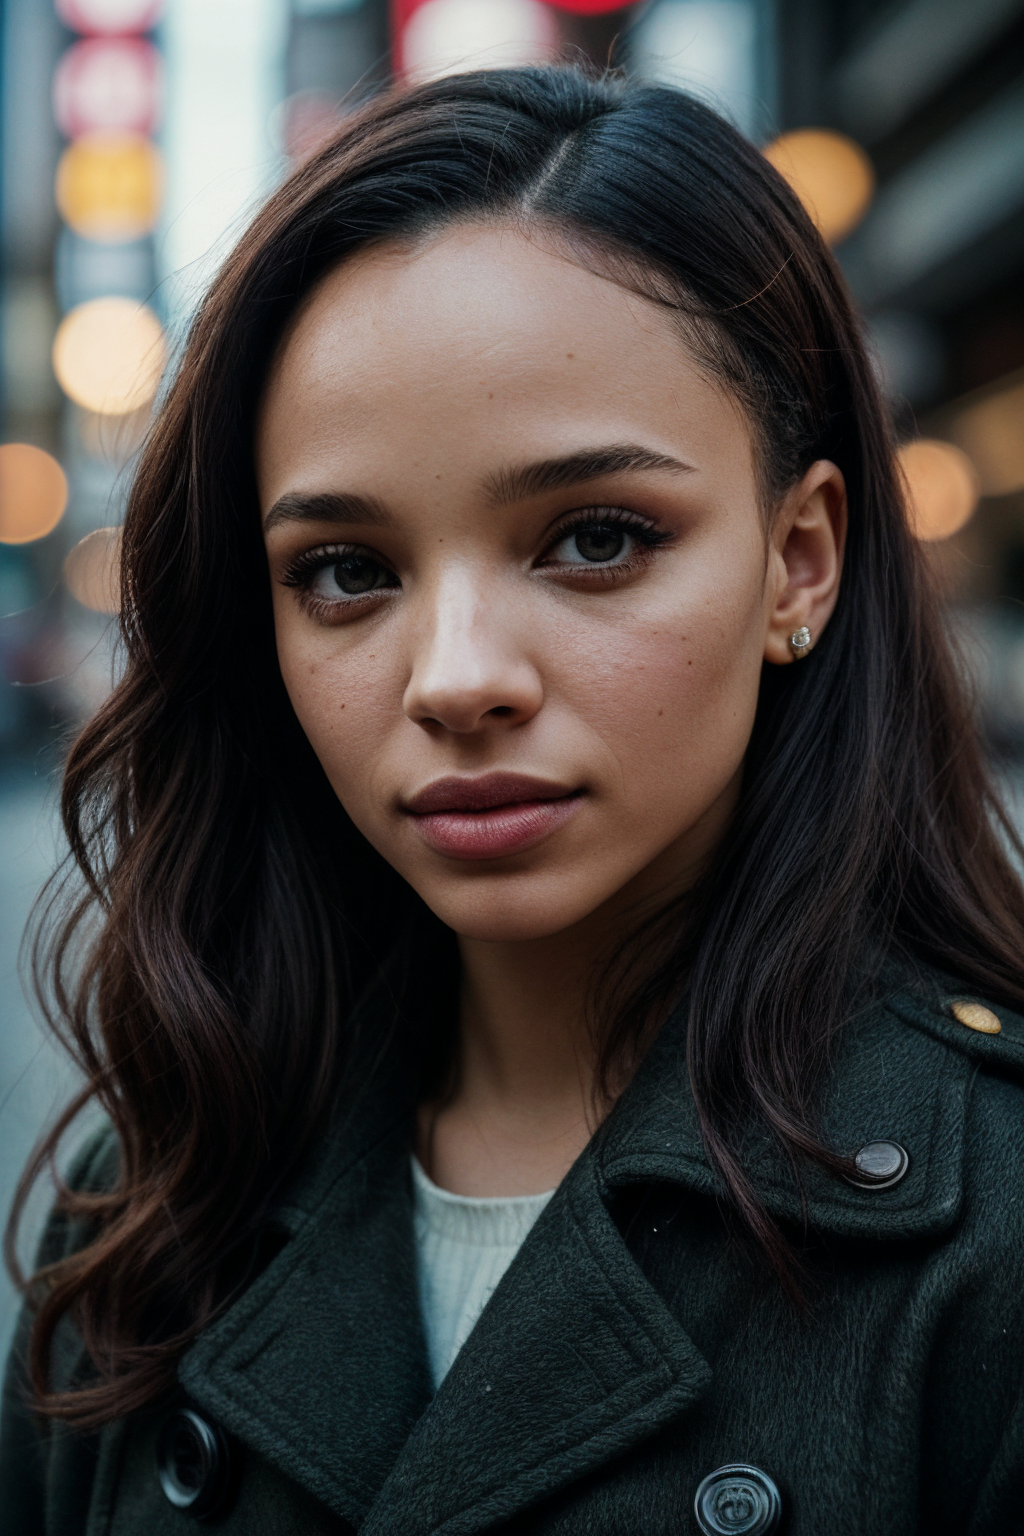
538 847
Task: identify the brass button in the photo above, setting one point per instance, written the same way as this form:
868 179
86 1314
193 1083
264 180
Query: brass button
976 1017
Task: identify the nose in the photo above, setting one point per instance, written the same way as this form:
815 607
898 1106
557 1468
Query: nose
470 668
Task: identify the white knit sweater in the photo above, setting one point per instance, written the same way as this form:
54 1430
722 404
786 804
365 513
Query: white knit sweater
463 1247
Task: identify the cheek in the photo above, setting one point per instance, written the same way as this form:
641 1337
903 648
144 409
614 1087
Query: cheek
672 699
343 699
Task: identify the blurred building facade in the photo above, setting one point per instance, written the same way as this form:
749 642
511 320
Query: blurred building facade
934 91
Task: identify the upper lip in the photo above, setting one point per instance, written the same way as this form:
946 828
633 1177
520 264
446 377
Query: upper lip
484 793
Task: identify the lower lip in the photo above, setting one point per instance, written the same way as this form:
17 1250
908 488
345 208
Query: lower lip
497 833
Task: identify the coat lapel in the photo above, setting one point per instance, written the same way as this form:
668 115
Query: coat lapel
322 1366
575 1360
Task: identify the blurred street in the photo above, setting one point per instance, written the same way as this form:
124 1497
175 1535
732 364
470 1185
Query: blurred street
35 1078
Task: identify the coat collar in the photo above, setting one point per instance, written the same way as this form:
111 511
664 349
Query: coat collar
321 1365
888 1083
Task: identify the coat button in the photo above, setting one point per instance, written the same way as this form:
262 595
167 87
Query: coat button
881 1165
738 1501
976 1017
193 1463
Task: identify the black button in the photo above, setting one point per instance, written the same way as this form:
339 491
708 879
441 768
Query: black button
738 1501
193 1463
881 1165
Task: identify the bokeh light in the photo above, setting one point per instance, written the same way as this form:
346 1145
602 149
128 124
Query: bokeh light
109 17
109 354
109 186
445 36
588 7
33 493
942 487
93 571
107 85
830 174
992 434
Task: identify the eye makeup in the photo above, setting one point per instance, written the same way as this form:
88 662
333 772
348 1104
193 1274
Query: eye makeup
601 545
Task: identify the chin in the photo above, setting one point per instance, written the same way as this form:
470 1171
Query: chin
507 909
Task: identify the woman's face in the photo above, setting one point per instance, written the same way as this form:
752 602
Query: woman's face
521 587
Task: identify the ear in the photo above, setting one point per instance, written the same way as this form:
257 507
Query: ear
805 559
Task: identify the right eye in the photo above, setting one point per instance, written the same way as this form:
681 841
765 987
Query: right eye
352 576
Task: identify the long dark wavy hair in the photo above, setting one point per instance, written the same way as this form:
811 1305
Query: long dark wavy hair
205 975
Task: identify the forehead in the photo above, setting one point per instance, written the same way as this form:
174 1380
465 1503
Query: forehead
481 332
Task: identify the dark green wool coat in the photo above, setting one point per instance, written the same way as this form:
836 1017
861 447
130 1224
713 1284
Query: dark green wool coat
635 1345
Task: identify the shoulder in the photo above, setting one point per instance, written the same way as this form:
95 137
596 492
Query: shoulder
978 1041
973 1026
945 1064
929 1108
928 1025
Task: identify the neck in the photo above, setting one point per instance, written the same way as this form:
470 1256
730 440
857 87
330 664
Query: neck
523 1105
522 1023
521 1109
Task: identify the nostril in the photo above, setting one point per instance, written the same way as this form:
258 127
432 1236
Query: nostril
502 710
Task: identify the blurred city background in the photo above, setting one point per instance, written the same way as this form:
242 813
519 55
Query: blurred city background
138 136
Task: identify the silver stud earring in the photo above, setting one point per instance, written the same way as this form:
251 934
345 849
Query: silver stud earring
800 641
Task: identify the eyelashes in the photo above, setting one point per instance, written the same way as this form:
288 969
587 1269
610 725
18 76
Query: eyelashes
597 536
592 546
357 572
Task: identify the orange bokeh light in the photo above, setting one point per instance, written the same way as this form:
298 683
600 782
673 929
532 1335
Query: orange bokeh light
33 493
109 186
942 487
991 431
109 355
93 570
830 174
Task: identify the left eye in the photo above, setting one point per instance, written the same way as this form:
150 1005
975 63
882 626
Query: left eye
594 544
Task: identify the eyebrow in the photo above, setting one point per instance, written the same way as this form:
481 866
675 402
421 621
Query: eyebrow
521 481
508 485
325 507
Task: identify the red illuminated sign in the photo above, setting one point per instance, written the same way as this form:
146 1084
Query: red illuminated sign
589 7
109 18
107 85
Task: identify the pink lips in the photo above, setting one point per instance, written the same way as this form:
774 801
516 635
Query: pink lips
492 816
